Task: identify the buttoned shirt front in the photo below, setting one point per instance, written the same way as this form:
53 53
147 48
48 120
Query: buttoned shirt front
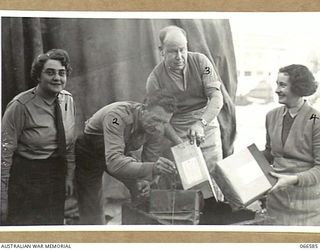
29 130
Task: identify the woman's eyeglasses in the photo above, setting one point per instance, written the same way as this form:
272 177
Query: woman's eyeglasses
53 72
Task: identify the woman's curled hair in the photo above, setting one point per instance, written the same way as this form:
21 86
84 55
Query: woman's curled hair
302 80
54 54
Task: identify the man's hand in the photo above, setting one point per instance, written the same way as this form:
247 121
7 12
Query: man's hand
196 132
283 181
69 187
143 188
163 166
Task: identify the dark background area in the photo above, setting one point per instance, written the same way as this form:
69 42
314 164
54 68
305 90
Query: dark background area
112 58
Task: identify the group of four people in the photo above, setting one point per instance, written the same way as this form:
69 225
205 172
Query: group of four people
40 155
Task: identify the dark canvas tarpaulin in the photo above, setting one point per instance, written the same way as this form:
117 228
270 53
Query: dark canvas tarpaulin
112 58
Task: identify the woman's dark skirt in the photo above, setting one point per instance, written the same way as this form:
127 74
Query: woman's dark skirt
36 192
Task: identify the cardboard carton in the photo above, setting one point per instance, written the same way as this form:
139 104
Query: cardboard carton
192 169
244 176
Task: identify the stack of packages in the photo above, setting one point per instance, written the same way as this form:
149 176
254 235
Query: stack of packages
242 177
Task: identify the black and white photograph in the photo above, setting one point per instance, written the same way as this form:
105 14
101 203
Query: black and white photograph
196 120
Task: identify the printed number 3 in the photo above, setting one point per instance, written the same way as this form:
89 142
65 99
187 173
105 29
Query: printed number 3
207 70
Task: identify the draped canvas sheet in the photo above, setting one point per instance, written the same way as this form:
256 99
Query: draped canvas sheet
112 58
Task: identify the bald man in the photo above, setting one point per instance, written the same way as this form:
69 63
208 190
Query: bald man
192 79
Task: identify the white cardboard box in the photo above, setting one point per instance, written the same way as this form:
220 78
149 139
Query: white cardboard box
192 169
244 176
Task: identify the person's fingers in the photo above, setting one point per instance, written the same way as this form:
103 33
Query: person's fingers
146 190
271 190
169 169
163 159
144 194
139 187
199 134
274 188
167 165
167 162
275 174
198 143
201 139
164 165
192 136
164 169
192 133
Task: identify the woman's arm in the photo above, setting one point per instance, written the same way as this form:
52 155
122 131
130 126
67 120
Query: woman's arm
312 176
12 126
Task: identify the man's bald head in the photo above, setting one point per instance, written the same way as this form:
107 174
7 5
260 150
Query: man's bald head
173 47
171 32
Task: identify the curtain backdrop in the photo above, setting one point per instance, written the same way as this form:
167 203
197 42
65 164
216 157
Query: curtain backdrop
112 58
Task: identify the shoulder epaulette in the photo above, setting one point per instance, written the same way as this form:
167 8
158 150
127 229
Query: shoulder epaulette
25 96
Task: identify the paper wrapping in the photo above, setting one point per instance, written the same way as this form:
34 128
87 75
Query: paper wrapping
244 177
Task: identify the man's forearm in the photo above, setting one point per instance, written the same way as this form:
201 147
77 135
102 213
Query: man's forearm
214 106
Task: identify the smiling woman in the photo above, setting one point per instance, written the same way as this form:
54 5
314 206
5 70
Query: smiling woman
52 79
293 148
37 157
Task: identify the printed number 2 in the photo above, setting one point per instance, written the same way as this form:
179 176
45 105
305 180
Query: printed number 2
207 70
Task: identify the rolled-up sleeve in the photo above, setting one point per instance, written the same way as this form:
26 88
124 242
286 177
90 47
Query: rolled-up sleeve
118 164
210 78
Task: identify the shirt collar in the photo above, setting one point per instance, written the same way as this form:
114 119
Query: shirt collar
183 72
48 102
180 74
293 111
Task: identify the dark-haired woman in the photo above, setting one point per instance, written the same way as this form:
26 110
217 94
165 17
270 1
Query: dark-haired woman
37 157
293 148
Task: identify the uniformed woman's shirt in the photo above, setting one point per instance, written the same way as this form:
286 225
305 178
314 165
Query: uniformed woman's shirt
28 128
